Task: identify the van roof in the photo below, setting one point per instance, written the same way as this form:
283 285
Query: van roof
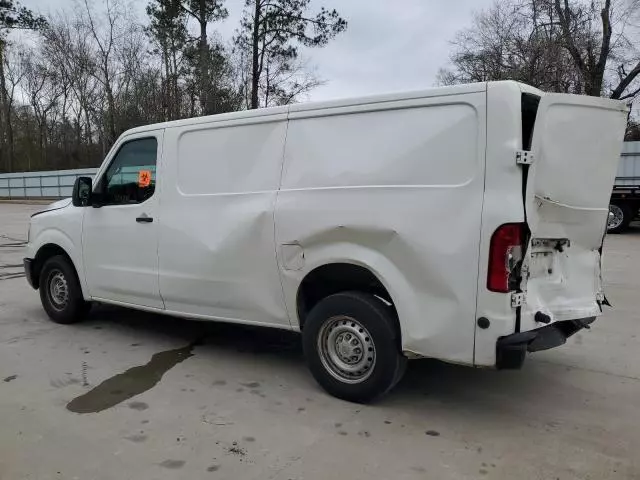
308 106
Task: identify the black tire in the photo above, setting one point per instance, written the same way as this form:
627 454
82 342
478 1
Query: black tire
372 324
58 274
627 216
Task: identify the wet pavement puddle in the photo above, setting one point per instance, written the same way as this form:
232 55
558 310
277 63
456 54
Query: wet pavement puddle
132 382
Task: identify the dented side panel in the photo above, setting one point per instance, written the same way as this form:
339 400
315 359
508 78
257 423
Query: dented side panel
217 251
396 188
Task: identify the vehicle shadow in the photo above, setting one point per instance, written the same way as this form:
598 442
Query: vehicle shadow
428 385
634 229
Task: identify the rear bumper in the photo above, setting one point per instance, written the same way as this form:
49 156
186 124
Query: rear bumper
28 271
511 349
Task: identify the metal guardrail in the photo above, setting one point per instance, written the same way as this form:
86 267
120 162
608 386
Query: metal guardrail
51 184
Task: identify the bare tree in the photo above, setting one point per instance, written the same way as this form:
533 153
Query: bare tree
105 38
513 39
589 34
558 45
14 74
67 46
285 82
13 16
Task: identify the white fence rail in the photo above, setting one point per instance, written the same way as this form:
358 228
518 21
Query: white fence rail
50 184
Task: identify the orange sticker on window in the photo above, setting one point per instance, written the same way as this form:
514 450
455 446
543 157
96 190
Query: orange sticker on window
144 178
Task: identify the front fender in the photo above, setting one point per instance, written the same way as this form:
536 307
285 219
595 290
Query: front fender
63 230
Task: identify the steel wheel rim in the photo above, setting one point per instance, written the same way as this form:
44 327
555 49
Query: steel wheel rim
58 290
618 217
346 349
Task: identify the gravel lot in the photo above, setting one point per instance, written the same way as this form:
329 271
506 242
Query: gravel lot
238 403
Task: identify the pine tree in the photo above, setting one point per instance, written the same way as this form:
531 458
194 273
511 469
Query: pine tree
270 35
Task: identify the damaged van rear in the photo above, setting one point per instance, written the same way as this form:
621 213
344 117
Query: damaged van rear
461 223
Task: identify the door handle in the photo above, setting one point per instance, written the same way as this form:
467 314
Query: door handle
144 218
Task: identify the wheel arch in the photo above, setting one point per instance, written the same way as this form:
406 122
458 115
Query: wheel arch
341 276
44 253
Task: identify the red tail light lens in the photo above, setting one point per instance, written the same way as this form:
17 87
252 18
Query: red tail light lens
505 253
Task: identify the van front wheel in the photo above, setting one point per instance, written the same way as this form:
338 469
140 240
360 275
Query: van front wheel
351 343
60 291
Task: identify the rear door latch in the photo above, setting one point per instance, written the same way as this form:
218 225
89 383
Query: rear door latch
517 299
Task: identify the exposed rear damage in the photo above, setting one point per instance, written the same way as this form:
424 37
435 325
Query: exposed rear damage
568 175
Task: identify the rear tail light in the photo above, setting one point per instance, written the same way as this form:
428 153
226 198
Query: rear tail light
505 257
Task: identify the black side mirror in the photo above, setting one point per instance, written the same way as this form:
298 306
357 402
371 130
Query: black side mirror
81 196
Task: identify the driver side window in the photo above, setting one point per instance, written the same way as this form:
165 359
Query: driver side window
131 176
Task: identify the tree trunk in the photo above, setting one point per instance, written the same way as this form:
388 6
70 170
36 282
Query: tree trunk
605 50
88 131
592 71
111 106
63 122
166 85
266 88
111 114
10 149
41 158
204 70
625 82
45 154
78 128
3 107
168 110
174 84
255 52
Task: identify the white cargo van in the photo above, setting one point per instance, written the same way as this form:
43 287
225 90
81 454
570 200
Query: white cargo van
461 223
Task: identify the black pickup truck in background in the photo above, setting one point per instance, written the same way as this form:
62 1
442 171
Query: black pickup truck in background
625 198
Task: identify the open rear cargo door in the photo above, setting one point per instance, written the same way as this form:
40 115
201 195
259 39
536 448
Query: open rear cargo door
575 150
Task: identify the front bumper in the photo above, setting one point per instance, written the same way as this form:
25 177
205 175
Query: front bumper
511 349
28 271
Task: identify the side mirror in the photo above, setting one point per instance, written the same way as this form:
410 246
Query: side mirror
81 196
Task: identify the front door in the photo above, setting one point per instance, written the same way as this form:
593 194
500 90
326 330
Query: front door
120 236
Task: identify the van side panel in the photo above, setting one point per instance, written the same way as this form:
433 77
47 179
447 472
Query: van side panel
503 203
217 252
395 187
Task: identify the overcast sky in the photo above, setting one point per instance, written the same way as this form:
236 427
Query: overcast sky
389 45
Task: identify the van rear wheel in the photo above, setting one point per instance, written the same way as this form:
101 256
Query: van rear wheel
351 343
60 291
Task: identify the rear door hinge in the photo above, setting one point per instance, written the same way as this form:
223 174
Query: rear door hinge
524 157
517 299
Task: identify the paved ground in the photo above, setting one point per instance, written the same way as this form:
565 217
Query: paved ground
240 404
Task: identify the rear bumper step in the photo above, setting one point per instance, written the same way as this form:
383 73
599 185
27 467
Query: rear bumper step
511 350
